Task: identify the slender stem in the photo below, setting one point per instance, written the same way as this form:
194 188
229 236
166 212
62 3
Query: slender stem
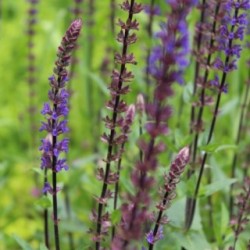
54 185
239 136
240 219
194 145
54 176
46 216
112 131
140 133
202 96
212 126
158 221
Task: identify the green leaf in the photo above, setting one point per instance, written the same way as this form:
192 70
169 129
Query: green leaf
22 243
210 148
226 146
44 202
116 216
99 82
224 219
216 186
43 247
216 147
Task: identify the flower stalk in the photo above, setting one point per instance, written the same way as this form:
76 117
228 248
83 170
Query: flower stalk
166 67
55 124
241 219
118 106
232 29
171 180
205 62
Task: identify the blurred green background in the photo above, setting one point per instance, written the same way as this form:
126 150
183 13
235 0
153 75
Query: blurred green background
21 223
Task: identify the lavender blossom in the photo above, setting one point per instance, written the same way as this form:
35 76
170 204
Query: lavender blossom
55 113
167 63
171 180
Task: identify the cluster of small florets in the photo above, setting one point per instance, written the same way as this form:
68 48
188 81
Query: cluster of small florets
232 29
57 110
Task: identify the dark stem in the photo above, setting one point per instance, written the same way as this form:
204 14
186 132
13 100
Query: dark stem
140 133
112 132
239 136
202 96
46 216
54 172
54 182
212 126
194 145
240 219
158 221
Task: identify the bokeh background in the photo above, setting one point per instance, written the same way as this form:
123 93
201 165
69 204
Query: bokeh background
21 206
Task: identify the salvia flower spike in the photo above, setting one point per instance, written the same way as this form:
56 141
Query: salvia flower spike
171 180
55 112
118 107
207 46
240 221
166 67
231 31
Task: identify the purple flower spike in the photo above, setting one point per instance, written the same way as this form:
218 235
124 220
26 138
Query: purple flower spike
171 180
232 29
166 65
55 113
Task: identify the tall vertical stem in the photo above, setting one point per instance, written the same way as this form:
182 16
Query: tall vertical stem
46 216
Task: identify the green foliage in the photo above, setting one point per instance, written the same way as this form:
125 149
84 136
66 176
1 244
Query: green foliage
21 205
